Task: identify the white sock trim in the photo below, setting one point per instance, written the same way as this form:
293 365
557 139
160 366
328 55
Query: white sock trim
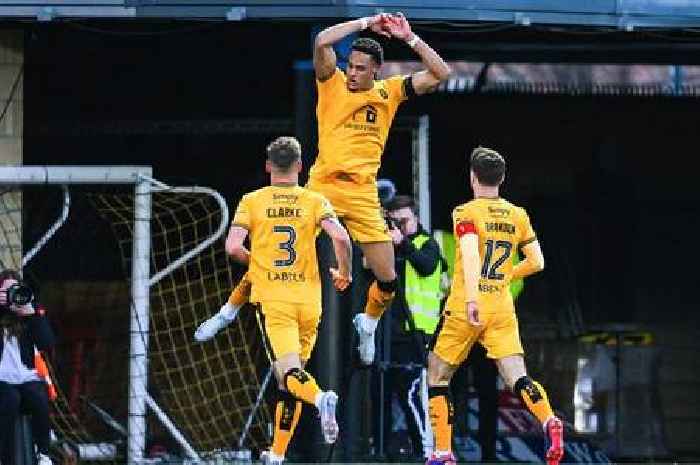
274 456
228 311
317 400
369 323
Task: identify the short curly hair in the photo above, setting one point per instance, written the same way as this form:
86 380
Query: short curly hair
488 166
369 46
284 151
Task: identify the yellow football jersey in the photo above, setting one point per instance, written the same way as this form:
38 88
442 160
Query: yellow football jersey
282 223
353 127
502 228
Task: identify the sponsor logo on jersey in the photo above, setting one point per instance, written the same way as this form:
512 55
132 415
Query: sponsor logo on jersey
285 198
364 119
498 212
489 288
286 276
367 113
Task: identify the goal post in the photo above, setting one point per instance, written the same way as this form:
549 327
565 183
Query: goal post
140 177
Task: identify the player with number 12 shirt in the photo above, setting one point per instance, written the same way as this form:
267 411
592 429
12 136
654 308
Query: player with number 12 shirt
480 307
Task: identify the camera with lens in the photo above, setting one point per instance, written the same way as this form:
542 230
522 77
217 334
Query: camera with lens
391 222
19 295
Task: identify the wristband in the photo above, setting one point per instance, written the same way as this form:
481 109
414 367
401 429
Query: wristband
363 24
412 43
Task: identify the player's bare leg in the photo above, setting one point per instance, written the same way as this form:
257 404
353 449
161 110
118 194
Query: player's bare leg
512 370
379 256
240 295
441 411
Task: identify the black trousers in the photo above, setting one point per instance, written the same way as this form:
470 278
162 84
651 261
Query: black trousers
398 382
31 398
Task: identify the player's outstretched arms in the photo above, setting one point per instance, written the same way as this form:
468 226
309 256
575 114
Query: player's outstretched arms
324 56
437 70
342 276
533 263
234 244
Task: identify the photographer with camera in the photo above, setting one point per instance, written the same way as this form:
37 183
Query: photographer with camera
414 316
23 327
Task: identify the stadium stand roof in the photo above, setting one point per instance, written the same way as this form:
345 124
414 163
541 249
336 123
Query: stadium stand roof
622 14
565 79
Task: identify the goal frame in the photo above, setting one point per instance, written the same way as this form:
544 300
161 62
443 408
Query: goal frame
140 177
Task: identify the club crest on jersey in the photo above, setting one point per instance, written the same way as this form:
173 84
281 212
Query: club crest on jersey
384 93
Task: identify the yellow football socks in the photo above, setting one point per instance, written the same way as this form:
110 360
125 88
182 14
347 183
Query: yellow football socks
287 415
377 301
535 398
441 415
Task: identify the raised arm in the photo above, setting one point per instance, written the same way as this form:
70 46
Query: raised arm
424 259
533 262
436 69
234 244
342 276
324 56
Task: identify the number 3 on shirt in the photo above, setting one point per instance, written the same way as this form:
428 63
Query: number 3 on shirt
287 246
488 270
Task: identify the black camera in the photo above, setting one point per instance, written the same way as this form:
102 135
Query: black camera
391 223
19 295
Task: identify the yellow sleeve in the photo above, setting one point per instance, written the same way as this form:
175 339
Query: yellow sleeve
396 89
329 85
533 262
328 92
528 233
242 216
